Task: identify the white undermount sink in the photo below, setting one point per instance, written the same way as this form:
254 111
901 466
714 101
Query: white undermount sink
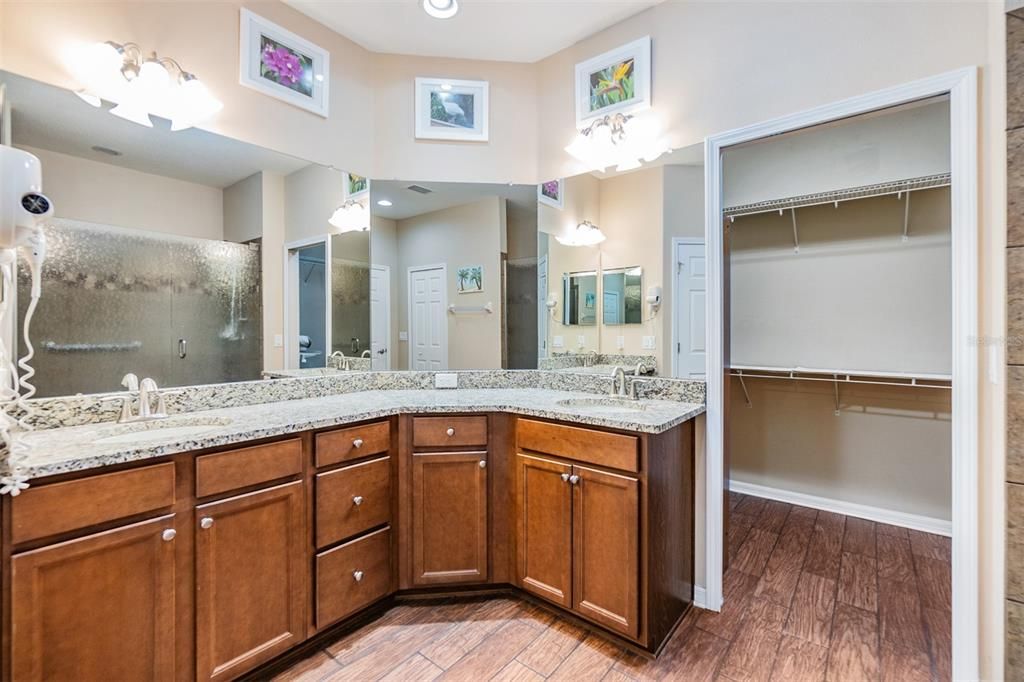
610 404
160 430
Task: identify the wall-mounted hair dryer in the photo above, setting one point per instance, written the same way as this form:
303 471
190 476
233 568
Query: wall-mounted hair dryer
23 208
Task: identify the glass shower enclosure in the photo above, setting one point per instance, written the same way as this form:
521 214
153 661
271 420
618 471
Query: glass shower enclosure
181 310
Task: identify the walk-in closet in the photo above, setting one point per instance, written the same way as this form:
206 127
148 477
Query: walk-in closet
839 352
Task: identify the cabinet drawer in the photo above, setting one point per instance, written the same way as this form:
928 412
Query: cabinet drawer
60 507
352 499
613 450
352 576
359 441
235 469
449 431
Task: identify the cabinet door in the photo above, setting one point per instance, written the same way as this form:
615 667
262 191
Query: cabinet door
251 583
96 608
605 549
544 528
449 517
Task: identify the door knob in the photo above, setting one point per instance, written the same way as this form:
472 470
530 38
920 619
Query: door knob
451 431
205 522
565 477
358 575
169 534
357 443
483 464
574 479
357 500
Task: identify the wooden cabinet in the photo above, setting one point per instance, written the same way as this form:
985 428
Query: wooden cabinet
605 548
544 528
352 575
577 541
251 579
449 517
101 607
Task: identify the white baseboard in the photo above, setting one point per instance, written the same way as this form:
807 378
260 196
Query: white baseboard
926 524
699 597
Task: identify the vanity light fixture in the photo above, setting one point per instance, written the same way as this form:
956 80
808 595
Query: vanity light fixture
144 86
585 234
384 202
351 216
441 9
621 140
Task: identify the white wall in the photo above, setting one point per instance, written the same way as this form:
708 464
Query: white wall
111 195
908 142
856 297
384 251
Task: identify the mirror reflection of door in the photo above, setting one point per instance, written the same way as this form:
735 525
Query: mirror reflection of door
312 337
428 326
380 317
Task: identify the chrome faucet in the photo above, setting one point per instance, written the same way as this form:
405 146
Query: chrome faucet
618 382
640 369
590 359
130 382
146 388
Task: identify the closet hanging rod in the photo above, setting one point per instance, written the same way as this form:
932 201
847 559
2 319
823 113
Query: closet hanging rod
836 379
867 191
826 371
470 309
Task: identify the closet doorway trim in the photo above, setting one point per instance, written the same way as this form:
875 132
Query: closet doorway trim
962 87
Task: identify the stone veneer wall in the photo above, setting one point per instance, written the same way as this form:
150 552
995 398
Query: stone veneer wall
1015 346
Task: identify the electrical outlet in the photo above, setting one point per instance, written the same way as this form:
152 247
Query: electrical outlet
278 341
620 342
446 380
648 343
403 336
581 341
558 342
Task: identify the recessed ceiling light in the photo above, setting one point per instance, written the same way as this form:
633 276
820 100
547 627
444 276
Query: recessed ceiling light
384 202
441 9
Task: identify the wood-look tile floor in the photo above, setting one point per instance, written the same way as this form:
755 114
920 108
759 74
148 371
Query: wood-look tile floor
809 596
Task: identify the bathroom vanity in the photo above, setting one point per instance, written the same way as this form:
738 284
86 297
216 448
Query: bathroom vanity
142 562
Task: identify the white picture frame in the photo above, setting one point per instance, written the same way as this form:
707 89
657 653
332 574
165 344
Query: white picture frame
544 194
350 192
465 123
301 60
588 72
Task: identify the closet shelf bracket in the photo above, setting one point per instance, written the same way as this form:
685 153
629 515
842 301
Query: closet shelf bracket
743 385
906 219
796 237
835 384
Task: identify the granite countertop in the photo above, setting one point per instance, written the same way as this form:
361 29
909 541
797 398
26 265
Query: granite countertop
76 448
602 369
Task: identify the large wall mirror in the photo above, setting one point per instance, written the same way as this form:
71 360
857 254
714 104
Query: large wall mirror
193 258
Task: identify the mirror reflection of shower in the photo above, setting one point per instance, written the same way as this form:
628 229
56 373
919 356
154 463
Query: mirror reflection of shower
312 306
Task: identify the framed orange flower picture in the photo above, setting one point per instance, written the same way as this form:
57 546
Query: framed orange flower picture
617 81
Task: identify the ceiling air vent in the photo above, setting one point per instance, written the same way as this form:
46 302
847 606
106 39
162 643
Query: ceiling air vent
419 189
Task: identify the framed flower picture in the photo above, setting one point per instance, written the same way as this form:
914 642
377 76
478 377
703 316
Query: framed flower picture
617 81
552 193
356 186
279 63
449 109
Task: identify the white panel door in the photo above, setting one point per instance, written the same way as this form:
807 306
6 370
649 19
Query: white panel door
428 324
691 286
380 317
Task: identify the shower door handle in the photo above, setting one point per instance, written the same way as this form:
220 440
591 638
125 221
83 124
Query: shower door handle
182 348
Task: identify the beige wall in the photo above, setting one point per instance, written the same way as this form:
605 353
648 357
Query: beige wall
890 447
243 209
273 194
111 195
384 251
462 235
311 196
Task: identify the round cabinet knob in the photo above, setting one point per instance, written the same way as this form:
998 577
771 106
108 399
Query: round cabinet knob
451 431
169 534
357 500
574 479
565 477
358 575
483 464
205 522
357 443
